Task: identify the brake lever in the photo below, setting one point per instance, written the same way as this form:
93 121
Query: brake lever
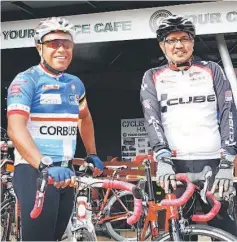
203 192
230 209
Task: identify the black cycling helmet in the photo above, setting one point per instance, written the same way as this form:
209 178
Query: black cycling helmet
174 23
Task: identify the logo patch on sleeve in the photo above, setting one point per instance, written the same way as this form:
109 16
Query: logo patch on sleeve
228 96
73 99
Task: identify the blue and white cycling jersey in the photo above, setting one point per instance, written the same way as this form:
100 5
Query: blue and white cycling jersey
52 104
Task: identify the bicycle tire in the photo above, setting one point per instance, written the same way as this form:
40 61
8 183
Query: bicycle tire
7 217
201 230
84 235
108 225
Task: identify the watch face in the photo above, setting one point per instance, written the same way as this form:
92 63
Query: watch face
47 160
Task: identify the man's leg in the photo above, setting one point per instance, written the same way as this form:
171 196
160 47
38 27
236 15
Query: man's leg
43 227
64 211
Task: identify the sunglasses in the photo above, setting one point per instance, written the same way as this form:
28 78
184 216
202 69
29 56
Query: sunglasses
56 43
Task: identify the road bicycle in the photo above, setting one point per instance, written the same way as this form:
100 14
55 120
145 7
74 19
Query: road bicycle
177 228
82 223
10 209
111 207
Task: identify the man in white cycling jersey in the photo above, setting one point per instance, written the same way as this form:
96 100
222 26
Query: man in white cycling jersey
45 106
181 102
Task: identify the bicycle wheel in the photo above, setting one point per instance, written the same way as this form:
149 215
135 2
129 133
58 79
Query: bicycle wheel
203 233
118 229
7 218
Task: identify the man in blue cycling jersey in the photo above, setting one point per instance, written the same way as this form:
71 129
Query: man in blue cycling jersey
180 103
45 106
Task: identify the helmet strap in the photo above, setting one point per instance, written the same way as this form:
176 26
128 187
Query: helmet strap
51 69
175 66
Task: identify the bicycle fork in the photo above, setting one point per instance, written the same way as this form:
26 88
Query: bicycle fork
172 223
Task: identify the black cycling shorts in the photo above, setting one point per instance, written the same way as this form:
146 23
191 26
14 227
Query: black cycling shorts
58 204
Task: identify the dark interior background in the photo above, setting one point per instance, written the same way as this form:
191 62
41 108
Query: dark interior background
111 71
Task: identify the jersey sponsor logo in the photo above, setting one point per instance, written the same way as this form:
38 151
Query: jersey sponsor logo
182 100
144 86
73 99
153 121
146 104
18 106
15 89
228 96
191 74
231 141
58 130
73 87
50 99
198 78
50 87
167 80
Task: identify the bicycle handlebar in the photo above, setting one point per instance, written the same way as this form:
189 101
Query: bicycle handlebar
212 213
187 195
40 194
137 212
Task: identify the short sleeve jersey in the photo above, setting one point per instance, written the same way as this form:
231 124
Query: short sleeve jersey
52 105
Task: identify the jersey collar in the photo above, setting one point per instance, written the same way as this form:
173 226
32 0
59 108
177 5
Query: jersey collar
44 69
175 67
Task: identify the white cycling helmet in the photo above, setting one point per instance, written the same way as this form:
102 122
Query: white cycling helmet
54 24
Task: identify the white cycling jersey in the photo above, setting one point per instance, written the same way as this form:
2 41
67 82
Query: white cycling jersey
181 110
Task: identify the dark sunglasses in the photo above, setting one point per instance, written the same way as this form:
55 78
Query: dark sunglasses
56 43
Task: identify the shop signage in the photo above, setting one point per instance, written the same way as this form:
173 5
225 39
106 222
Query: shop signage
134 138
209 18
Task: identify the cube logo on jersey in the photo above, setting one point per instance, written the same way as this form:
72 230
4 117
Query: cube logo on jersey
165 101
73 99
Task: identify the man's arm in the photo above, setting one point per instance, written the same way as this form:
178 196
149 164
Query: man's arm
86 129
19 99
152 113
227 110
20 136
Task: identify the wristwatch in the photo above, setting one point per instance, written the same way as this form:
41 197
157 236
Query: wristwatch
45 162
